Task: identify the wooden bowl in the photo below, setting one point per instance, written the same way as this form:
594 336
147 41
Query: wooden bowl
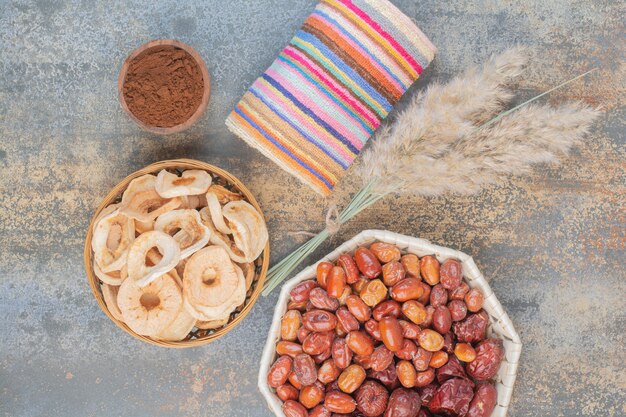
205 96
197 337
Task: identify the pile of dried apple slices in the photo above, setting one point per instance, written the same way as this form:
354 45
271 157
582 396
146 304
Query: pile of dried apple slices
176 253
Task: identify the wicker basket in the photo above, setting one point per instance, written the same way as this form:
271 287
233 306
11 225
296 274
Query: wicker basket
500 325
196 337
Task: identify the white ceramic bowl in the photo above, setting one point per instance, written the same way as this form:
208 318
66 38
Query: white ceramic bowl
500 325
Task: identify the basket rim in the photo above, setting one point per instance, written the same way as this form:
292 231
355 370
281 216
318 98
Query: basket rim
513 344
182 163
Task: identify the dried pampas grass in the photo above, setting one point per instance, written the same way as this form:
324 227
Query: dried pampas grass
448 140
442 113
455 138
532 135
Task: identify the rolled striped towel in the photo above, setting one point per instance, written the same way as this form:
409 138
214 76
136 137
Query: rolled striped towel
319 102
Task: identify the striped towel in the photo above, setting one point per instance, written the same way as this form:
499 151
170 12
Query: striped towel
319 102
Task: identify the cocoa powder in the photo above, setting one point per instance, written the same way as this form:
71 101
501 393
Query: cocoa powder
163 86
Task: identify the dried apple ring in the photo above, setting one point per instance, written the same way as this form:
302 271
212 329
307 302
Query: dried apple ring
138 270
224 195
191 182
114 278
220 239
150 309
205 319
249 270
140 201
212 324
112 236
106 211
216 213
191 202
186 228
248 228
212 285
191 309
143 227
146 206
179 328
139 184
154 256
109 293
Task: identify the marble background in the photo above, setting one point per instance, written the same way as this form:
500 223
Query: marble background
551 243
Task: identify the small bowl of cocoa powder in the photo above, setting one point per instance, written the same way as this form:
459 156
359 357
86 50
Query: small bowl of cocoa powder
164 86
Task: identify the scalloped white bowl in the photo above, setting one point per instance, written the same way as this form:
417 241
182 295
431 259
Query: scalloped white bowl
500 325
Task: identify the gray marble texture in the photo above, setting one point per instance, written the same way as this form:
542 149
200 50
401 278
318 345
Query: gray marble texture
551 243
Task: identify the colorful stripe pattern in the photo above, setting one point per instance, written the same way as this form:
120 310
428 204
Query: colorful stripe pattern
316 106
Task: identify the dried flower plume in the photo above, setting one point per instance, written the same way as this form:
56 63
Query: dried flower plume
437 145
441 114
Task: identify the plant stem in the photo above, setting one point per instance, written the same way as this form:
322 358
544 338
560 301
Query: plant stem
359 202
504 113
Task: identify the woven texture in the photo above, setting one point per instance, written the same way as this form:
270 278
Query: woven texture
500 325
319 102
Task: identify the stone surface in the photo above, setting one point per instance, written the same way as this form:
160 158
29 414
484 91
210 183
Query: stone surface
552 243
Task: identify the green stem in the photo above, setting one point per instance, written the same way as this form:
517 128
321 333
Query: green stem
505 113
279 272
